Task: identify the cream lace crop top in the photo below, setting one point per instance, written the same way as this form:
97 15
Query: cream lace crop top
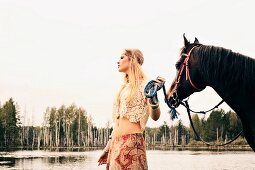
136 110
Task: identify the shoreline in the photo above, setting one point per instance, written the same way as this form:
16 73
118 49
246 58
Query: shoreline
150 147
201 148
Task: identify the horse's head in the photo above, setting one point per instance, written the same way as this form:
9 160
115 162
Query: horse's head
188 77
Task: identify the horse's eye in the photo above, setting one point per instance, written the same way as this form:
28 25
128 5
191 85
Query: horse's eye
177 65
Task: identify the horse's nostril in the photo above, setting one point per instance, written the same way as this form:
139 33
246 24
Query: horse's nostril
170 99
174 101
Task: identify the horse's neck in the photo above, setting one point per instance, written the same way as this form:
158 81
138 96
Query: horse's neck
231 93
230 74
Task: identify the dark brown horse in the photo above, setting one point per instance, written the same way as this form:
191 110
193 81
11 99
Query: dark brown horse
230 74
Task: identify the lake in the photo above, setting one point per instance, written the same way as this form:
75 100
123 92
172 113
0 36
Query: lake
157 160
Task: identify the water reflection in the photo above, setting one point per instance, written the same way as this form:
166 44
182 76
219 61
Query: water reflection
157 159
41 159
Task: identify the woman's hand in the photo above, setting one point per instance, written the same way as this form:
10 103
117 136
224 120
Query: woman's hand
160 80
103 158
153 103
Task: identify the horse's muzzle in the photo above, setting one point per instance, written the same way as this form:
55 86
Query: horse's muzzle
174 101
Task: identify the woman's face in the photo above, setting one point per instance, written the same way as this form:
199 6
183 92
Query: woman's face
123 63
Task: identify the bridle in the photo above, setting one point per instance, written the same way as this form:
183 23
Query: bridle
185 66
175 101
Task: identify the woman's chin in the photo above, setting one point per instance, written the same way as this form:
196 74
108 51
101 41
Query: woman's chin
120 70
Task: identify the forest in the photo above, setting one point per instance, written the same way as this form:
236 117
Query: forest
72 126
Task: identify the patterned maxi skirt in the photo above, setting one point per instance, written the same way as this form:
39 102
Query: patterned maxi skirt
127 152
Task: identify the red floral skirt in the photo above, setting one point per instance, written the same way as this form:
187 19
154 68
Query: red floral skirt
127 152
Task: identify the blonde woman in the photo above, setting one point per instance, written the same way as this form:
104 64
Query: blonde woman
126 148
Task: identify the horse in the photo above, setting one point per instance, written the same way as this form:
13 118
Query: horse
230 74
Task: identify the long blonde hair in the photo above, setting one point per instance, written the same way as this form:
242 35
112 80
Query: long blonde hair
136 75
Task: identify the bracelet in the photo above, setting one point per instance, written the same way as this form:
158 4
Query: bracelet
154 107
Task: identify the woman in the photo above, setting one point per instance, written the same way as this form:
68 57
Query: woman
126 147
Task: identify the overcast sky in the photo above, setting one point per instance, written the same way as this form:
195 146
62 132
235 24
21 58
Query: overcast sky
55 52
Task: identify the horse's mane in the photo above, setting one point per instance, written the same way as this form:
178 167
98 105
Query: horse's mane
234 70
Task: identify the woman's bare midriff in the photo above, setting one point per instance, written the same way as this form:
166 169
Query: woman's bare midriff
123 126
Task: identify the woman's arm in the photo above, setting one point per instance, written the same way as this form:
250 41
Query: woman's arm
154 110
103 158
107 147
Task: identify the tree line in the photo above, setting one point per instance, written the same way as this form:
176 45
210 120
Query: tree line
71 126
219 127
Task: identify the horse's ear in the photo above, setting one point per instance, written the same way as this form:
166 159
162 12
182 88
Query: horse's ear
196 41
186 42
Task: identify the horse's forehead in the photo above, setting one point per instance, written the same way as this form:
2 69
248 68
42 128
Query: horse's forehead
190 46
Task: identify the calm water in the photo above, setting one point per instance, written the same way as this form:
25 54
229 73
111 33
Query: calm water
157 160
